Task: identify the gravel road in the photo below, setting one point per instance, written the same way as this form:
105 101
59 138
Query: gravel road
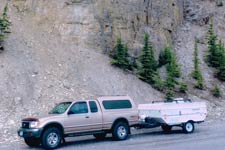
207 136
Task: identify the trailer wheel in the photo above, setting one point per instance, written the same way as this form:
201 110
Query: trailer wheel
188 127
120 131
166 128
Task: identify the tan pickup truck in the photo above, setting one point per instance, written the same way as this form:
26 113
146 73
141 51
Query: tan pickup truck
112 114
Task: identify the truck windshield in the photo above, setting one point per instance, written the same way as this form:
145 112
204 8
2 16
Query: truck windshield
60 108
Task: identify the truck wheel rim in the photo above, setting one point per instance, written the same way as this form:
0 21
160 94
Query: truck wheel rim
122 132
52 139
189 127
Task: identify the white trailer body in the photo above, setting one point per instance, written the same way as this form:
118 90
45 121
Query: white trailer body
174 113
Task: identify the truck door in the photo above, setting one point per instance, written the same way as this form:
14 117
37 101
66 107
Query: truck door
78 118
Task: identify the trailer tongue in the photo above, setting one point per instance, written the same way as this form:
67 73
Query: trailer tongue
179 112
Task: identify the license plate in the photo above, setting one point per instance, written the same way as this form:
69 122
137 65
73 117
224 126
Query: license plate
21 133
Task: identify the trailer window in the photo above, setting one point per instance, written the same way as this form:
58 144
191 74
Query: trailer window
116 104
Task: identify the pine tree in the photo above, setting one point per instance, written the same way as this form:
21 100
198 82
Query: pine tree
212 47
148 69
172 68
197 74
165 56
120 58
4 24
221 69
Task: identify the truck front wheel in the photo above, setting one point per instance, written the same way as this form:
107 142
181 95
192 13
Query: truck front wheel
51 138
120 131
32 141
188 127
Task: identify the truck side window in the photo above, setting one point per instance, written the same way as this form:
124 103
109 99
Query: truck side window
117 104
79 108
93 106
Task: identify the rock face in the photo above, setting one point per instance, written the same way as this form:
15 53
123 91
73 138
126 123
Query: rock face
56 51
95 24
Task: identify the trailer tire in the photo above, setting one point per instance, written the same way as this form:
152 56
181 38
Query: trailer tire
120 131
188 127
166 128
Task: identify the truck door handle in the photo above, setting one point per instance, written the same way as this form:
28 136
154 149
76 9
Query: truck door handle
86 116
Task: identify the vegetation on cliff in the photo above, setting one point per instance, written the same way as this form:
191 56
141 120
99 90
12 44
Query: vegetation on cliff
4 26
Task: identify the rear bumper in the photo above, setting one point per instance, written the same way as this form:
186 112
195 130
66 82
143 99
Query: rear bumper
30 133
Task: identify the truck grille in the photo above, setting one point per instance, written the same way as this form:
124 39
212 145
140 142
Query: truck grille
25 125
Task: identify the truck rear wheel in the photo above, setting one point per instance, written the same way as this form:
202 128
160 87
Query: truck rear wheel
188 127
99 136
166 128
120 131
51 138
32 141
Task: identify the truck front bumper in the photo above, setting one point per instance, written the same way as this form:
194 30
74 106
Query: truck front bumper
30 133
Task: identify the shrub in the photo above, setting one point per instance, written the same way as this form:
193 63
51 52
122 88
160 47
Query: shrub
169 95
216 92
158 83
183 87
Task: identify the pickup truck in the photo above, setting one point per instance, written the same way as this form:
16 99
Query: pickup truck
111 114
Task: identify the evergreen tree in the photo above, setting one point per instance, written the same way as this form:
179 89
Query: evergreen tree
197 74
120 58
172 68
4 24
148 68
165 56
221 69
212 47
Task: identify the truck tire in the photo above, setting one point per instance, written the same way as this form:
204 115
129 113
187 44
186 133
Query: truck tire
188 127
32 141
99 136
120 131
51 138
166 128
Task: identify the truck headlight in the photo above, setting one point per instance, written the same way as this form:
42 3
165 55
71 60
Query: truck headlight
34 124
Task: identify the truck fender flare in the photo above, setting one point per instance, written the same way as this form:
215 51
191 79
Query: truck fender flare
53 124
120 120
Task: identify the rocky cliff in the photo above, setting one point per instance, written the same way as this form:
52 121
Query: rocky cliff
57 51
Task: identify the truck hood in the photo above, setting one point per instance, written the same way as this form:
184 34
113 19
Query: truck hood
42 117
